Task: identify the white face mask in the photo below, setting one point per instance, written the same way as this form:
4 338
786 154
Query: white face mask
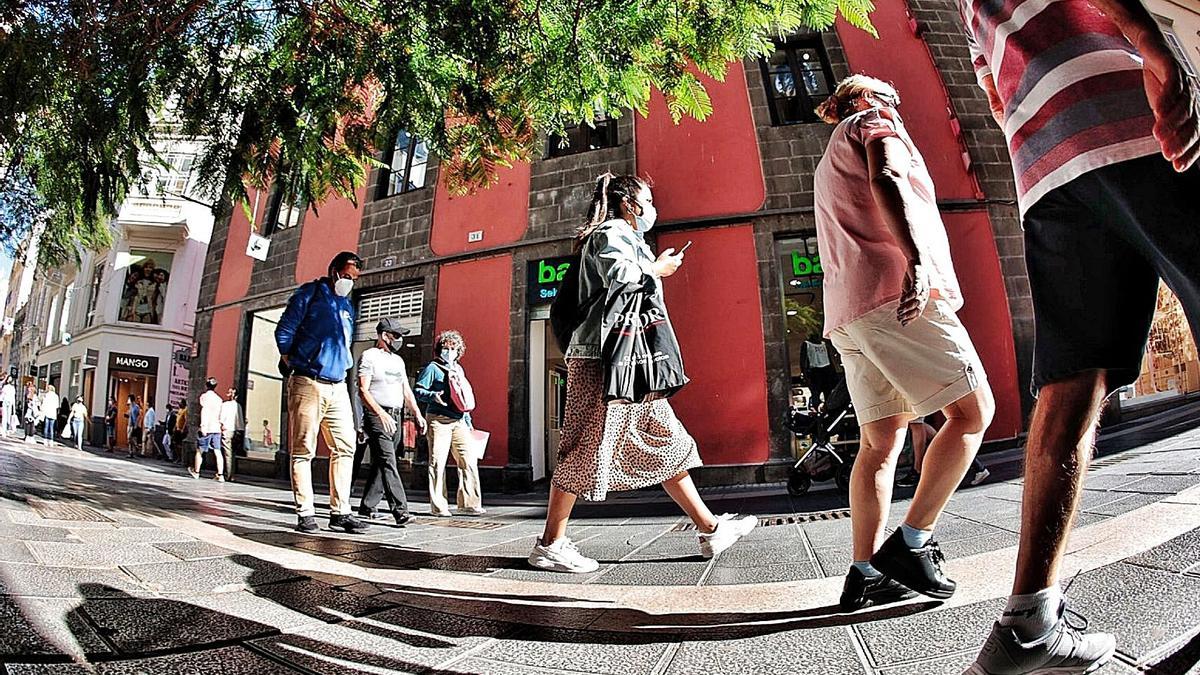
449 355
343 287
645 221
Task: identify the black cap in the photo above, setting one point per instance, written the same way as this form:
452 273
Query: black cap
344 258
211 383
391 325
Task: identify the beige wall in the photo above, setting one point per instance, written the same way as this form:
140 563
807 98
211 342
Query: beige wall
1182 17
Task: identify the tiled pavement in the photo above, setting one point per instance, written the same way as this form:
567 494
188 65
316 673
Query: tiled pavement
116 566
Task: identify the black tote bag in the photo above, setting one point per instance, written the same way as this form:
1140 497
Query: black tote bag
642 361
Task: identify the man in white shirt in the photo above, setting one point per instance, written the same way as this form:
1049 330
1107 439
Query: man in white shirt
231 422
8 406
385 391
49 413
209 437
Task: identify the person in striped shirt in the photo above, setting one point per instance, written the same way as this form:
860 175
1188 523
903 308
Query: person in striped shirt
1102 129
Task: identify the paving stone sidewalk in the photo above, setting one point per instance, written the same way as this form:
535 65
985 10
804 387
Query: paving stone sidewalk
91 571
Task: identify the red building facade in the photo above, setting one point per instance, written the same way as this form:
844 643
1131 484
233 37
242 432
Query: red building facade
739 186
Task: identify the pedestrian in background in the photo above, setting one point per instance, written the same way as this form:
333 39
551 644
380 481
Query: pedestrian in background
133 418
313 337
620 446
891 298
49 413
385 393
149 421
921 432
168 431
450 428
208 438
232 422
110 425
77 417
29 409
8 406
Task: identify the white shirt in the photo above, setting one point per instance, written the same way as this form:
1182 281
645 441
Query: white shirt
210 413
231 416
8 395
818 354
387 374
49 404
151 418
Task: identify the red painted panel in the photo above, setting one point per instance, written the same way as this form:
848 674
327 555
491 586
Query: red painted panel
236 266
328 230
501 212
226 331
903 59
716 309
475 298
986 315
702 169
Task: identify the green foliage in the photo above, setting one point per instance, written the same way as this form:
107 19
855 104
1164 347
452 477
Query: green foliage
303 91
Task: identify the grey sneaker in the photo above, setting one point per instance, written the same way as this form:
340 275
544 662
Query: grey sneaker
1064 650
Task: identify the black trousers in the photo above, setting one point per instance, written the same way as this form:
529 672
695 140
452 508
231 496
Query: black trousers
383 478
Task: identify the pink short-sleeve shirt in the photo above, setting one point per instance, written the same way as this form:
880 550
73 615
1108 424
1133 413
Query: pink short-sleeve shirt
864 266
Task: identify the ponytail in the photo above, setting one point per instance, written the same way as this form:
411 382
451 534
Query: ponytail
607 197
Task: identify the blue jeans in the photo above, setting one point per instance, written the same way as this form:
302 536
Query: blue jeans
48 428
77 429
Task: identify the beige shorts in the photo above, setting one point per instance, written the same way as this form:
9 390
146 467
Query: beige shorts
912 370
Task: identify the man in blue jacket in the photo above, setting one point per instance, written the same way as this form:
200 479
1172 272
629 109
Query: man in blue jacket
314 336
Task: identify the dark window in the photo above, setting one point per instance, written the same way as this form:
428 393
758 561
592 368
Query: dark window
282 212
798 78
582 138
407 161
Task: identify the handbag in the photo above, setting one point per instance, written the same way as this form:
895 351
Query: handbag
641 353
479 441
66 432
461 393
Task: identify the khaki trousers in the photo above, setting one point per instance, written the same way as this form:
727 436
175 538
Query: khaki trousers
448 435
314 407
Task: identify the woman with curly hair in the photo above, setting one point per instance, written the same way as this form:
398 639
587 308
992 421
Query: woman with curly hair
449 427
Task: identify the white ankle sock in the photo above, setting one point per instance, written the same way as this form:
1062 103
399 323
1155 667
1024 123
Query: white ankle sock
1033 615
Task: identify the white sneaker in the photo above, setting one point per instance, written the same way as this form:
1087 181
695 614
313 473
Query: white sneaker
980 476
730 528
561 556
476 511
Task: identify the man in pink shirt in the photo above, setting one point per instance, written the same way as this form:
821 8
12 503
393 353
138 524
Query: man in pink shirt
890 301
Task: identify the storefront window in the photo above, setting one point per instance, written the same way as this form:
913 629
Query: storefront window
264 386
803 309
1171 365
143 298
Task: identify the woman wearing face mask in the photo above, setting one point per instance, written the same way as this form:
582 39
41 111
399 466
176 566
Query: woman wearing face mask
449 428
619 446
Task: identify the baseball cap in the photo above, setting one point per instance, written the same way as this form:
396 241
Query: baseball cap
391 325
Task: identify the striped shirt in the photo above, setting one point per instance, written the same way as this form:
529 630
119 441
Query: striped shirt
1071 85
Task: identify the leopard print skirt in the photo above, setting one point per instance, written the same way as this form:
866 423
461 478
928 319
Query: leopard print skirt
623 446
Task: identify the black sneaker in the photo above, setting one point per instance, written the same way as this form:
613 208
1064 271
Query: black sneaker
917 568
909 479
307 524
347 523
862 591
402 518
370 514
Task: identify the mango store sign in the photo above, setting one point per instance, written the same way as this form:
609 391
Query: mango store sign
544 277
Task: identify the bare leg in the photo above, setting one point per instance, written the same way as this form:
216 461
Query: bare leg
949 456
683 491
557 514
199 459
920 439
1056 460
871 482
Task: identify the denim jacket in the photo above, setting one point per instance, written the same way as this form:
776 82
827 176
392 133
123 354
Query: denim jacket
315 330
615 254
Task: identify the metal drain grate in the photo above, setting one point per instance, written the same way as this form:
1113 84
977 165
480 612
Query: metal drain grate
66 511
460 524
796 519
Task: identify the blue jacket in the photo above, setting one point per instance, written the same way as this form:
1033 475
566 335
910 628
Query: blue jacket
315 331
432 381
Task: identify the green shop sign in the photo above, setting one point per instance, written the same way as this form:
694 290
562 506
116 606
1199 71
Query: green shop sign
806 271
544 277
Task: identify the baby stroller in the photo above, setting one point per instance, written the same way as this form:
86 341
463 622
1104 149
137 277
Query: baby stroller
832 435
